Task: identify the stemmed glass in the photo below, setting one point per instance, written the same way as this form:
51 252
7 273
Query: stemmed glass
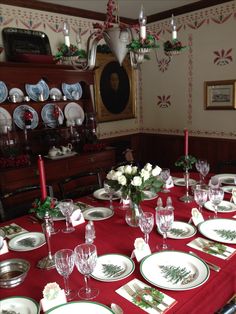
110 191
164 221
67 207
200 197
216 196
203 168
64 262
85 261
146 223
165 174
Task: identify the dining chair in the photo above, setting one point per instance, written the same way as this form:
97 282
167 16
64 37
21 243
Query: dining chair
80 184
17 203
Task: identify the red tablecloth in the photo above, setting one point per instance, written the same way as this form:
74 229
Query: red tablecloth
115 236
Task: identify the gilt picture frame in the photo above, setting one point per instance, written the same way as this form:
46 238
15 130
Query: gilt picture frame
115 89
220 95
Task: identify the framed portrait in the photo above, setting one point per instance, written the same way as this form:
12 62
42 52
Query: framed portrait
220 94
115 89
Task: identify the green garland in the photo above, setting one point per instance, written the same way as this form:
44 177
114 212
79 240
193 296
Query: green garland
72 51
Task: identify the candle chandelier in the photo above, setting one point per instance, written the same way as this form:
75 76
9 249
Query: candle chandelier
123 38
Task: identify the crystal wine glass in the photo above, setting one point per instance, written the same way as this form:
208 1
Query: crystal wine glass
165 174
146 223
67 207
164 221
64 262
85 261
204 170
200 197
110 191
216 196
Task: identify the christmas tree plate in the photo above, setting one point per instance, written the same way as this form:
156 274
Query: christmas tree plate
80 307
174 270
101 194
113 267
220 230
98 213
181 230
27 241
223 207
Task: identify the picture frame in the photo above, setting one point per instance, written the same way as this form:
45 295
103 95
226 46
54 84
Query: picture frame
220 95
115 89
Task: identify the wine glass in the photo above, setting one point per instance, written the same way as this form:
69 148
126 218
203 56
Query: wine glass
146 223
216 196
110 191
164 221
204 170
200 197
64 262
165 174
85 261
67 207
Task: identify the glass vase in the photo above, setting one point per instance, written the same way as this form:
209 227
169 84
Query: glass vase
133 213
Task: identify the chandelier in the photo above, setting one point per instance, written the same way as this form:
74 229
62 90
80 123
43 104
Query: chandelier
122 39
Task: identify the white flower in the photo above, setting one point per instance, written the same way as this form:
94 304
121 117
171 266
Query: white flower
121 168
110 175
145 174
134 170
118 174
137 181
156 171
148 167
128 169
122 180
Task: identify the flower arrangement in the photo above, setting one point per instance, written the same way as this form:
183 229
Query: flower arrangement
132 181
186 162
48 205
72 51
173 46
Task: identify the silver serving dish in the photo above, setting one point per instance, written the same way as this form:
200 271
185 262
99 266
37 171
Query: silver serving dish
13 272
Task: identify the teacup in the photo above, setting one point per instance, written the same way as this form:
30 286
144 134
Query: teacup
54 151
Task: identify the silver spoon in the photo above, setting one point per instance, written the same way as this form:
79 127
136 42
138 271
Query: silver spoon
116 308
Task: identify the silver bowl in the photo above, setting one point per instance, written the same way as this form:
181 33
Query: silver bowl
13 272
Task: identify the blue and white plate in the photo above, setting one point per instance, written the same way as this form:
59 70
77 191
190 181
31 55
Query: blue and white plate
18 116
34 91
3 91
72 91
48 116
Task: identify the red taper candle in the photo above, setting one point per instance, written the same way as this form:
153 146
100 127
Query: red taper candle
42 178
185 142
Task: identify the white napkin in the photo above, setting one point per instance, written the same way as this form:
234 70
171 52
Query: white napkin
169 183
141 249
53 296
77 218
3 246
197 217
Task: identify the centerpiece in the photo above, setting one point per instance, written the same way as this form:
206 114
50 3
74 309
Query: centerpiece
132 183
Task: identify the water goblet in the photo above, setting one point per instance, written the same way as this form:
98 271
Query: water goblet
164 221
216 196
110 191
85 261
204 170
64 262
200 197
165 174
67 207
146 223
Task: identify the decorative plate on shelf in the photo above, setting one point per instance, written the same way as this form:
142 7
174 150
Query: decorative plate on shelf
48 117
19 305
5 120
17 92
74 111
72 91
3 91
55 93
34 91
18 116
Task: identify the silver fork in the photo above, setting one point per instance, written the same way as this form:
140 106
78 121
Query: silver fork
138 289
211 265
133 293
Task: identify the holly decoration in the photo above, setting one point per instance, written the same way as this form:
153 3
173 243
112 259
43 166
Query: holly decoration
173 46
186 162
41 207
72 51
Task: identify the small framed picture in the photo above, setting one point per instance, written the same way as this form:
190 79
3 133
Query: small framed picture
220 95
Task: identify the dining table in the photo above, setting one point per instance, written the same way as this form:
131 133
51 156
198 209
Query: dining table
115 236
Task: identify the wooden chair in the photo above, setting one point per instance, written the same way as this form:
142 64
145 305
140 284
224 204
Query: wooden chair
18 202
80 184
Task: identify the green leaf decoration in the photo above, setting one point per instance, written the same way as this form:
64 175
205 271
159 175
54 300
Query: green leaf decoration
178 232
186 162
226 234
28 242
112 271
177 274
151 294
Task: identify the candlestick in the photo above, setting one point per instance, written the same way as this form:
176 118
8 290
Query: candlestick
66 32
186 142
42 178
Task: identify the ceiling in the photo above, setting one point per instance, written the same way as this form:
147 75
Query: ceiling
127 8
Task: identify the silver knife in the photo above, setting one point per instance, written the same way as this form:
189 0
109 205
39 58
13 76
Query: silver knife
211 265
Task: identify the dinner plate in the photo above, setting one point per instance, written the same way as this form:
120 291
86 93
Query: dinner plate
102 195
219 229
113 267
3 91
226 178
174 270
18 116
228 188
72 91
55 93
48 117
81 307
21 305
223 207
181 230
181 182
27 241
148 195
5 120
98 213
34 91
74 111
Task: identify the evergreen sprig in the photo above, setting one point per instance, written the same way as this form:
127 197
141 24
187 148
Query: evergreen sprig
112 271
175 274
226 234
186 162
178 232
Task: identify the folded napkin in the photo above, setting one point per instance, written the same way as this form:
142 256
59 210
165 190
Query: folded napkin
13 230
147 298
213 248
53 296
169 183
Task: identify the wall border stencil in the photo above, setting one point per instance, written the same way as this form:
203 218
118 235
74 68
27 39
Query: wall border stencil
223 57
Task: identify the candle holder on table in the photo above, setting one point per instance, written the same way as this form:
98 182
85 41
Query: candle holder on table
48 261
186 198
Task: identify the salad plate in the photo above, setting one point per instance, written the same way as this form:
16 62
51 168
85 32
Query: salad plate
101 194
5 120
48 117
219 229
74 111
80 307
22 305
27 241
72 91
98 213
3 91
18 116
181 230
113 267
34 91
174 270
223 207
